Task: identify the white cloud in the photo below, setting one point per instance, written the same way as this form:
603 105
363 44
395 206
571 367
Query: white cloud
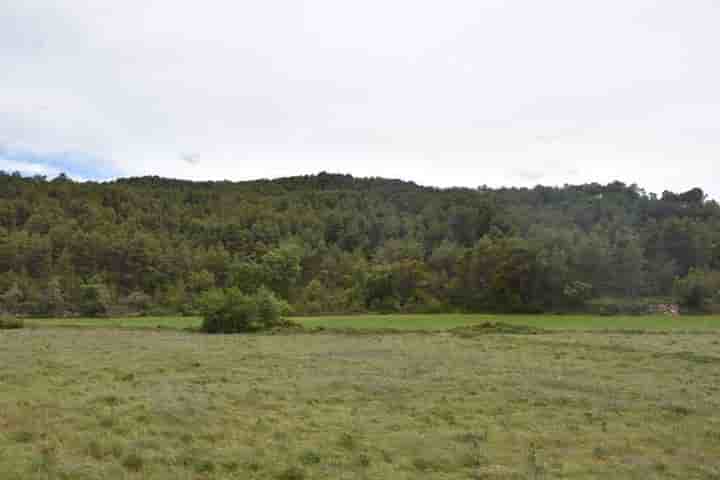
462 92
27 168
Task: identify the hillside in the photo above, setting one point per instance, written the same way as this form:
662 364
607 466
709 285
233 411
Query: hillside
334 243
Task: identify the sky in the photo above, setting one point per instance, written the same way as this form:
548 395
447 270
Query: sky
452 93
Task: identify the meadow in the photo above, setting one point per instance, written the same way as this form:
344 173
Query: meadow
133 401
430 322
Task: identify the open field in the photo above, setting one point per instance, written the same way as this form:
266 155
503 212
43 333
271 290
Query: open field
427 322
550 322
167 322
160 404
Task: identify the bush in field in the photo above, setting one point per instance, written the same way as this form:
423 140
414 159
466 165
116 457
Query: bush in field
232 311
8 322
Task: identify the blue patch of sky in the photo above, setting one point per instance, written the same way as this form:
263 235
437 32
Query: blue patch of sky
79 166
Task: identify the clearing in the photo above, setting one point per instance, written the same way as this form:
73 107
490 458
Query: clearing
113 403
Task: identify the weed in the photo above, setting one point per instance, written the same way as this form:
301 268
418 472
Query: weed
96 449
292 473
473 460
133 462
309 457
110 400
422 464
473 438
203 466
11 323
679 410
600 453
535 469
23 436
107 422
347 441
117 449
46 461
364 460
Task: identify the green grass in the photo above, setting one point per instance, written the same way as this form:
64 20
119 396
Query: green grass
168 322
550 322
113 403
427 322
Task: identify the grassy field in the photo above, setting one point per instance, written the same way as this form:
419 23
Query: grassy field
109 403
550 322
173 323
426 322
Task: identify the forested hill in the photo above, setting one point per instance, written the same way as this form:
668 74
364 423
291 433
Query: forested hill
334 243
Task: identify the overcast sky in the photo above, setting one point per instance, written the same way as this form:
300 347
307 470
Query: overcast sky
454 92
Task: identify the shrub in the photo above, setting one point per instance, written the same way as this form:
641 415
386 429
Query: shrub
232 311
133 462
624 306
577 293
11 323
12 298
95 299
139 301
310 457
697 289
292 473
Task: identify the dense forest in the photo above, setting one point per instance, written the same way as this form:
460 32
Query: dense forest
333 243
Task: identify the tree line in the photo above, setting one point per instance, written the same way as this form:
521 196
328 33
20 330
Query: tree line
332 243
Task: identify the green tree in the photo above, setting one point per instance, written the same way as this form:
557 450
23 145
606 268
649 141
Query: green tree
139 301
201 281
282 268
12 298
65 271
313 299
629 265
697 288
176 296
95 300
55 298
248 276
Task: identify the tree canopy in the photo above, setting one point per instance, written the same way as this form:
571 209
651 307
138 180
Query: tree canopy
335 243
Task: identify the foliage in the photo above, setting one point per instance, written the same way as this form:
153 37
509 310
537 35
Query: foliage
577 293
139 301
334 243
55 298
11 298
624 306
698 288
8 322
94 299
232 311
